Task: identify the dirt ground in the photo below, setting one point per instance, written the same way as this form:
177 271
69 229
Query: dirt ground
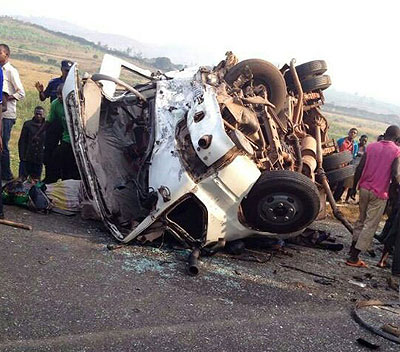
63 290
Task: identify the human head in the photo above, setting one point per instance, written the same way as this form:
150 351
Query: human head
392 133
4 54
38 114
363 140
352 133
65 67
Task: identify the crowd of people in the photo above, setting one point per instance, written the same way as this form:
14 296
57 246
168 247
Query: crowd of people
377 177
44 140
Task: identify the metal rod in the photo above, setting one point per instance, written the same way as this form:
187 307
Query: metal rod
324 181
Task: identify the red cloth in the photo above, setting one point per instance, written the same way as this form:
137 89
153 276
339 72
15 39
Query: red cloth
347 145
376 175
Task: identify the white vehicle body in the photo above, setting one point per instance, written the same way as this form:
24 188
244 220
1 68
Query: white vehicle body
182 108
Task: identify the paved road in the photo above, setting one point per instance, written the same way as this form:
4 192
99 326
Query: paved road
63 290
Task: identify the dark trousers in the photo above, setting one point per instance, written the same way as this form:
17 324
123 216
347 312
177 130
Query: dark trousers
52 167
1 198
26 168
64 160
5 156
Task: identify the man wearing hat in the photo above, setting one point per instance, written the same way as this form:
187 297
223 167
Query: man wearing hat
55 130
51 89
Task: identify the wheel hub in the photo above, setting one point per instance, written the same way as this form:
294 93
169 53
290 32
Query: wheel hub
278 208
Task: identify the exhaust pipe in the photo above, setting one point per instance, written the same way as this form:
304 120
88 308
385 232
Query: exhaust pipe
193 263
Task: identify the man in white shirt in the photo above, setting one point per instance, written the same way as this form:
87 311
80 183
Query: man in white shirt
13 87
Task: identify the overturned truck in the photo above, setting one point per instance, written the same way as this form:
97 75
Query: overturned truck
209 155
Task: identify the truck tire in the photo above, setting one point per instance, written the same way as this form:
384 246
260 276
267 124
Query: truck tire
311 68
264 73
306 70
341 174
316 83
281 201
334 161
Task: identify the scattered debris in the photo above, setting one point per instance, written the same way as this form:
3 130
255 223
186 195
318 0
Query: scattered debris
15 224
357 283
386 306
391 329
367 344
112 246
308 272
316 239
323 281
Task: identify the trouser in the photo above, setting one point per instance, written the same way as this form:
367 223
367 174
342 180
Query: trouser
392 241
53 136
396 255
66 159
27 168
1 198
371 211
5 156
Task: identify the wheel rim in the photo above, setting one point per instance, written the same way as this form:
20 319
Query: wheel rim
279 208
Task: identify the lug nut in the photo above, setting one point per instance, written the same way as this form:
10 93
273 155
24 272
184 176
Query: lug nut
286 218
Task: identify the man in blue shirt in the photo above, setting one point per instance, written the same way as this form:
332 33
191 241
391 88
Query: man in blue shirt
51 89
55 129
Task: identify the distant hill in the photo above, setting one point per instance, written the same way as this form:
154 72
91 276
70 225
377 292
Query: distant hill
360 106
44 49
121 42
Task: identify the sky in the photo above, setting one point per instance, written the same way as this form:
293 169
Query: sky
358 39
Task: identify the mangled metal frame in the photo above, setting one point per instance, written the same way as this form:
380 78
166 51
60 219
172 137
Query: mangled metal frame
208 130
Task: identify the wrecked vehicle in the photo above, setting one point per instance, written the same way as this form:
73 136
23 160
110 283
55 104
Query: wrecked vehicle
209 155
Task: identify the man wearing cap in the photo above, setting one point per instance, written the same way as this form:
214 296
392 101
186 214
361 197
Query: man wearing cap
12 85
55 130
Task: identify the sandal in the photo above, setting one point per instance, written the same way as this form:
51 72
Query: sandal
358 264
381 265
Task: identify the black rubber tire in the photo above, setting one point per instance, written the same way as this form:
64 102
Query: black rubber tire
295 186
264 73
334 161
311 68
316 83
306 70
341 174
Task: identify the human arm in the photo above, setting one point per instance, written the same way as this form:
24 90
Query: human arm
23 142
40 88
359 170
19 88
396 169
355 149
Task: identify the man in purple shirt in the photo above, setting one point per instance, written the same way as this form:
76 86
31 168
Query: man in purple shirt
379 164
